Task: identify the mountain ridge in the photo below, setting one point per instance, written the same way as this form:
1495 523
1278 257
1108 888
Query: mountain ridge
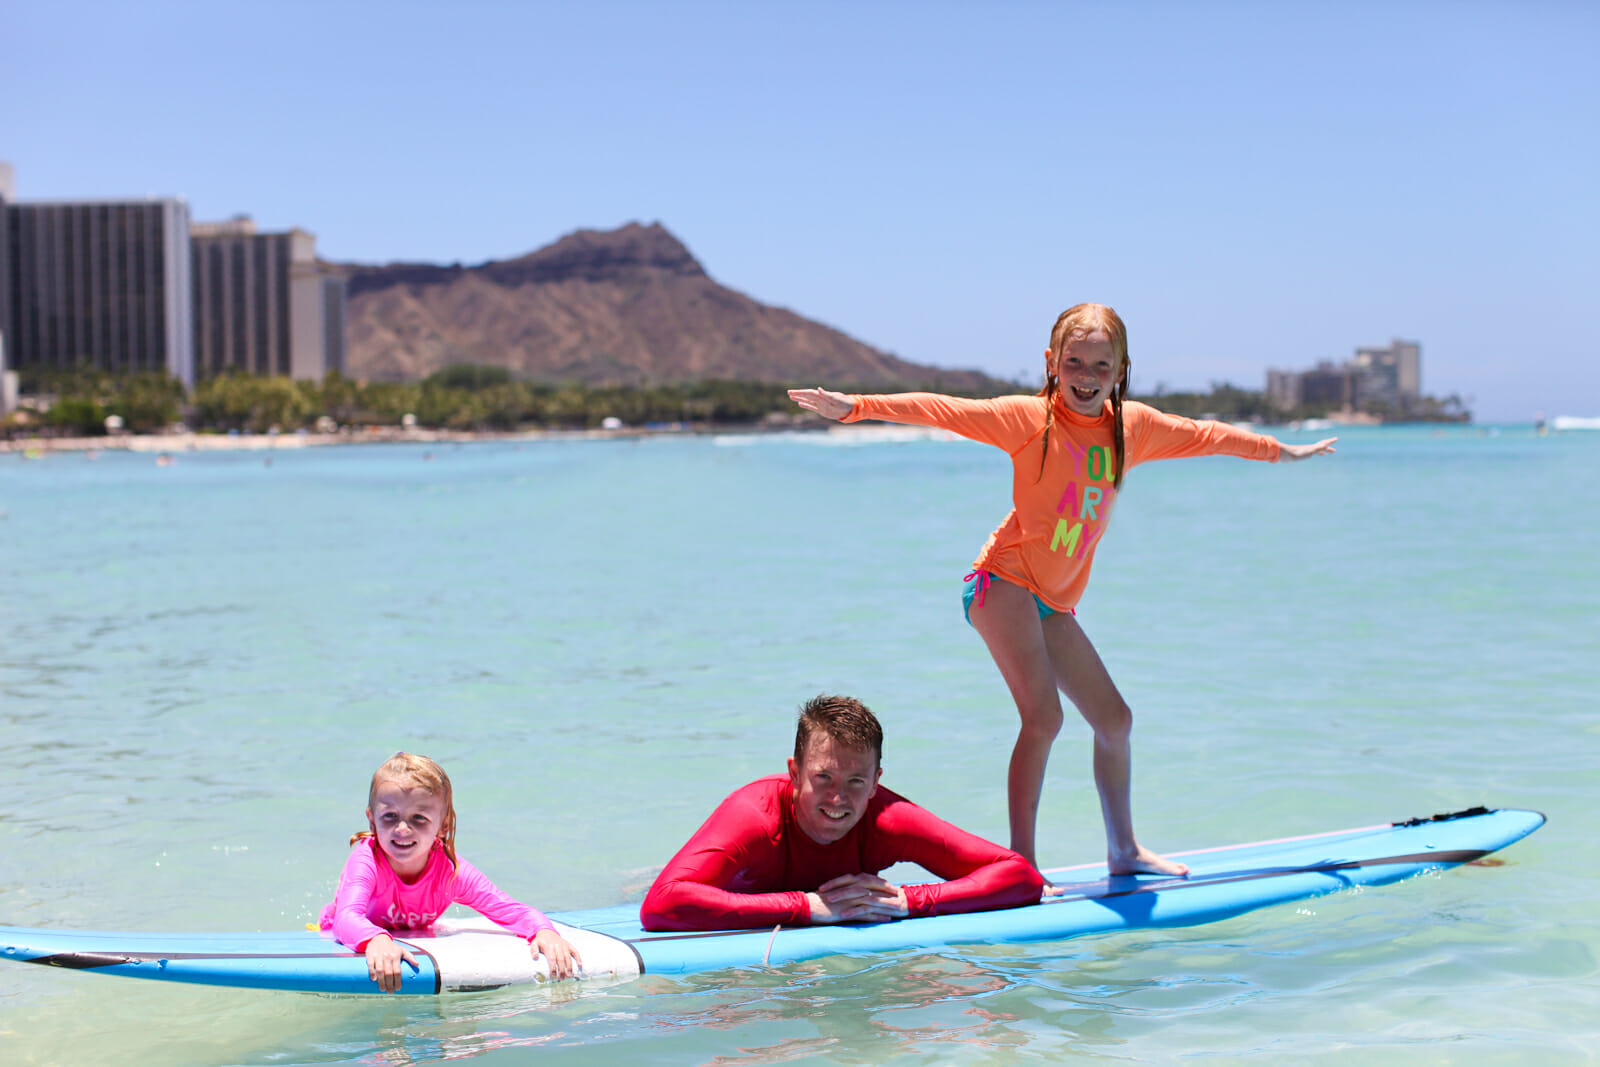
630 306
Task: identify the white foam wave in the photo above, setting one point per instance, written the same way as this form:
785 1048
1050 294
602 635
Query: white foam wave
1575 422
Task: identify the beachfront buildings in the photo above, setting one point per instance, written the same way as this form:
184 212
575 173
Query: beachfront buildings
1385 379
133 285
100 282
262 304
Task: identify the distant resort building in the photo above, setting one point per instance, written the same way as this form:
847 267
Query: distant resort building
133 285
262 304
105 283
1376 379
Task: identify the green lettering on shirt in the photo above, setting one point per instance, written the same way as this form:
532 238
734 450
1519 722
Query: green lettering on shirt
1099 464
1067 535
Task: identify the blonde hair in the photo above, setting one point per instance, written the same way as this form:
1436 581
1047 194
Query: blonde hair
420 772
1078 321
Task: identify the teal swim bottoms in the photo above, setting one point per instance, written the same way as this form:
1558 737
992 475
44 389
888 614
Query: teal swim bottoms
976 585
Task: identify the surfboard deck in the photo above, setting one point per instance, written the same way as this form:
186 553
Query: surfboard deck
473 954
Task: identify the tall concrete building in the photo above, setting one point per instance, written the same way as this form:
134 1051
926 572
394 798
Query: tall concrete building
1283 389
130 285
101 283
1391 375
8 193
1376 378
262 303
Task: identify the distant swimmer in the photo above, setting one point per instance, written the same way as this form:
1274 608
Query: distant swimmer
807 847
404 872
1069 447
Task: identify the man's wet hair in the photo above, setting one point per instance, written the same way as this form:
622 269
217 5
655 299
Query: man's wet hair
849 722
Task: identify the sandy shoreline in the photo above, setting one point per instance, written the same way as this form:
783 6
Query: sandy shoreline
173 443
216 442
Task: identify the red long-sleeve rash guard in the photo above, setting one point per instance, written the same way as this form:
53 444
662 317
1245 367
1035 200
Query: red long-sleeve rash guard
751 865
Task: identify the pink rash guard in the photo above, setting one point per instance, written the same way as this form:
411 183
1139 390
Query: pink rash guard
372 900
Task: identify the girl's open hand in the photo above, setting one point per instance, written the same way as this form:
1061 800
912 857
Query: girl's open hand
383 962
824 402
564 959
1291 453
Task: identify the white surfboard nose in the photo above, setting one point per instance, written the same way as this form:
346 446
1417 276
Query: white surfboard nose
474 953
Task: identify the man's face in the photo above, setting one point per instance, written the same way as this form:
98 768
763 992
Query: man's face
831 788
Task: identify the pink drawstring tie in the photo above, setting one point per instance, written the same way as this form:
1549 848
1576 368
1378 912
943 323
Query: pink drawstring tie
983 584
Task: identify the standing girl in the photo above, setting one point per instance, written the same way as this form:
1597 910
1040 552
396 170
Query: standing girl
403 873
1069 447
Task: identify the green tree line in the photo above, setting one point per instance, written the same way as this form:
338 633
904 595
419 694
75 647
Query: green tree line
459 397
475 397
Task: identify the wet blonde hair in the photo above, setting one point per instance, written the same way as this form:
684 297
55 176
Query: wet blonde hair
417 772
1078 321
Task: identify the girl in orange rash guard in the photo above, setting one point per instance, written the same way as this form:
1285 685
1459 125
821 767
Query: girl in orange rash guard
1069 447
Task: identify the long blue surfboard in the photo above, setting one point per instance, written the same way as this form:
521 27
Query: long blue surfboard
473 954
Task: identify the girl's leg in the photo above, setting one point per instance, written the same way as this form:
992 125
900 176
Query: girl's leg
1009 623
1084 678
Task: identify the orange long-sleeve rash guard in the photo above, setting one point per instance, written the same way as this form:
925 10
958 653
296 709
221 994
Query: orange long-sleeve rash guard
1046 543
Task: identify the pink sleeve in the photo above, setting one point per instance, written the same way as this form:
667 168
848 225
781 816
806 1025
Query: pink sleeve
980 875
346 917
473 889
1155 435
690 893
1007 422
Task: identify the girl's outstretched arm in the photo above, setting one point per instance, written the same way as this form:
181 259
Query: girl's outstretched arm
824 402
1292 453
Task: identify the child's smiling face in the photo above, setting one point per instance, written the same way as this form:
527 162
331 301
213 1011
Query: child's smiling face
406 821
1088 369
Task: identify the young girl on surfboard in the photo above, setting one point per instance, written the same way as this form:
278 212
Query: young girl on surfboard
1069 447
403 872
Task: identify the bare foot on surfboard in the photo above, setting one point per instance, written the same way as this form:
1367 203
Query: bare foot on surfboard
1146 862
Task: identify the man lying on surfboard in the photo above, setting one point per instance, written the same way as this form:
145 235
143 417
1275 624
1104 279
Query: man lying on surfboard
807 847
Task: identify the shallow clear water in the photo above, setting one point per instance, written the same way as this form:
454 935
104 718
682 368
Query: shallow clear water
201 664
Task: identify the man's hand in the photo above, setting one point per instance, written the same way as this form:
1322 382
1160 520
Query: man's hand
824 402
857 898
383 962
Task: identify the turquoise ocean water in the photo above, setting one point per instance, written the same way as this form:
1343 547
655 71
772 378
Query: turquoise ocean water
201 664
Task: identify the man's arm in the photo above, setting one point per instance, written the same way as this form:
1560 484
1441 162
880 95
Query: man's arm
980 875
691 892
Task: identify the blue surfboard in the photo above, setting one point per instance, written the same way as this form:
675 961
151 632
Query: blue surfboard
473 954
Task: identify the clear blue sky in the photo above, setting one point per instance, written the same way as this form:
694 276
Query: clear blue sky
1250 184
